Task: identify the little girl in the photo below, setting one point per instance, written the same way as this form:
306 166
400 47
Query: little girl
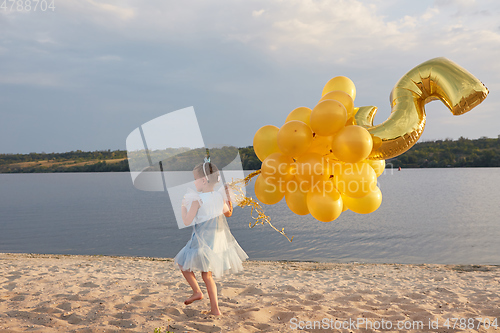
212 248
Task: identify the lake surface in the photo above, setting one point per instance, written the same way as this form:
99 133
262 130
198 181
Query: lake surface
441 216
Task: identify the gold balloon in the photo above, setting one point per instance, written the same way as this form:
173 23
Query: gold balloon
340 83
365 205
325 205
278 166
437 78
294 138
355 179
343 98
303 114
377 165
351 120
352 144
265 141
310 169
321 145
268 191
296 198
328 117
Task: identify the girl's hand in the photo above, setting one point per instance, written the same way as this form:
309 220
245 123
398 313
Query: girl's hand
228 208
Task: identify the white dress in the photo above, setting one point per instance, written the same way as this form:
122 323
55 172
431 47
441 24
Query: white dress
212 247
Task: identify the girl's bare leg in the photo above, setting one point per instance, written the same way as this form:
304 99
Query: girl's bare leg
191 279
212 293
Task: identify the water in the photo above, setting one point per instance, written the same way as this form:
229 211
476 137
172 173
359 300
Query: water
441 216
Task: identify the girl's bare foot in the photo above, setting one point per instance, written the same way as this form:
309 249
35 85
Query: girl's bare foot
216 313
195 297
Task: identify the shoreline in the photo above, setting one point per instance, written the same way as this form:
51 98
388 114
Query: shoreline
245 170
97 293
467 267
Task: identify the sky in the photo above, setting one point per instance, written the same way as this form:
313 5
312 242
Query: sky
85 75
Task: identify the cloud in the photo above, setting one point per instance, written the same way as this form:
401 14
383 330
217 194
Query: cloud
121 12
249 61
342 31
257 13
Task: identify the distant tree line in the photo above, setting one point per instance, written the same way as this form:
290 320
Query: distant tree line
172 159
482 152
79 156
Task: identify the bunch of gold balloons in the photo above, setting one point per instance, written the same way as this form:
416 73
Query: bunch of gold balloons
327 160
318 159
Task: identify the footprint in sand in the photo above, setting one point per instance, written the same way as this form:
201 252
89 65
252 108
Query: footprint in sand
125 307
18 298
66 306
138 298
35 318
11 286
205 328
122 315
54 269
314 297
46 309
252 291
287 287
13 276
72 318
123 323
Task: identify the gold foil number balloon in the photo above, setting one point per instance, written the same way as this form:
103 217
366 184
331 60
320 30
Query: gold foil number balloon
437 78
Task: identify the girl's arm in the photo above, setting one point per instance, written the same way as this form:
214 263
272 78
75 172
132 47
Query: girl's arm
188 216
228 208
228 205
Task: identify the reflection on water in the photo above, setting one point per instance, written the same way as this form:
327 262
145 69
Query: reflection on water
444 216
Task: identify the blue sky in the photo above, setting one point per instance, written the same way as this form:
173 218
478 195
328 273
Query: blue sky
88 73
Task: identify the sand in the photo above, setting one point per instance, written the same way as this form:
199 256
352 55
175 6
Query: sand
60 293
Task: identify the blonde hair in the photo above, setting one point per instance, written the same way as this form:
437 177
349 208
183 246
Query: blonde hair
211 171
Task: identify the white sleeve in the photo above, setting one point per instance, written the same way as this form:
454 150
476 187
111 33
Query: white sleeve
190 197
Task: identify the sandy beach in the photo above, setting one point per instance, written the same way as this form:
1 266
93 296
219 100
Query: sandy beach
62 293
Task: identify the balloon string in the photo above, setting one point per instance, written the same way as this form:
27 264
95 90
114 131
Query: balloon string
254 204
